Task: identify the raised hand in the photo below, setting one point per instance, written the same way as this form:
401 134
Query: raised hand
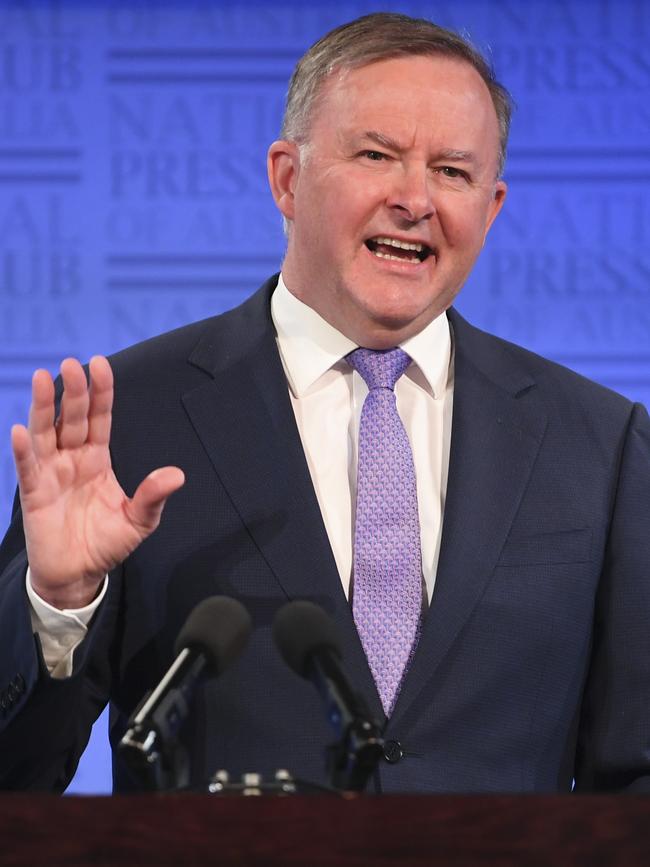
78 521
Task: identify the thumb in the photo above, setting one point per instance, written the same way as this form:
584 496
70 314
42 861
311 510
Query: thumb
146 506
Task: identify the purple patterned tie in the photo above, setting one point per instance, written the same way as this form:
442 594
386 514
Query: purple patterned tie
387 588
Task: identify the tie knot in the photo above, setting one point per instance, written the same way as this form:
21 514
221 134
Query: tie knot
380 368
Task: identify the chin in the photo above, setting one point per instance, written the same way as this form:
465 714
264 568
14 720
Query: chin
385 331
400 318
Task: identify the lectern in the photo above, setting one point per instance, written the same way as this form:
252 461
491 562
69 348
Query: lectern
324 831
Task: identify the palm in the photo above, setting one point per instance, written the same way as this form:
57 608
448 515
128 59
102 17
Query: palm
80 508
78 521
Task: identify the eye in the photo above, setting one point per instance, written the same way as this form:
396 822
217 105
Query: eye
375 156
451 172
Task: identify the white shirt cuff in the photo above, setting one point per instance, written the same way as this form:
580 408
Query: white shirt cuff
60 631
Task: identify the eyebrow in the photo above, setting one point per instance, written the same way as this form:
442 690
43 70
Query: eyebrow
457 156
444 154
382 140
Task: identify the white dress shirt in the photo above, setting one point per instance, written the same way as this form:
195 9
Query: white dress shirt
327 396
60 631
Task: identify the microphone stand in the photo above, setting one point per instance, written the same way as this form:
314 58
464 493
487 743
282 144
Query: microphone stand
353 758
150 746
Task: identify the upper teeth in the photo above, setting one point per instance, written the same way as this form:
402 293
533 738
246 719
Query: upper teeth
404 245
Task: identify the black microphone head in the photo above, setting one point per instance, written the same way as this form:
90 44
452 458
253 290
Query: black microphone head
219 628
301 629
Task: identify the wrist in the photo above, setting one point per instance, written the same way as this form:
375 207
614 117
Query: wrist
72 596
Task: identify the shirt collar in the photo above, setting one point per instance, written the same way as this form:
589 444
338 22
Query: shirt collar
430 349
309 346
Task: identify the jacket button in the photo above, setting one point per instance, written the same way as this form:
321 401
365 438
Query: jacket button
393 752
19 684
4 701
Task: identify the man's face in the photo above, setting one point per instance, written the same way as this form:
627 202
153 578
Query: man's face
393 196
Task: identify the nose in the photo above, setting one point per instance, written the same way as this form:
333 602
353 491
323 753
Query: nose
411 194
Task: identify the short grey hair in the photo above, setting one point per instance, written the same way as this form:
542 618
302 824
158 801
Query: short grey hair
381 36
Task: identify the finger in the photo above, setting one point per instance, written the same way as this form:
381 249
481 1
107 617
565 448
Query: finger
24 458
72 424
145 509
41 415
101 400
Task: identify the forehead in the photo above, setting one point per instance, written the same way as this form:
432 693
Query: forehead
434 96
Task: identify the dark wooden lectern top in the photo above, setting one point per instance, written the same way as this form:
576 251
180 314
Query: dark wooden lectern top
319 830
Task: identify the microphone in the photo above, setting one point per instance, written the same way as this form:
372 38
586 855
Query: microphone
306 637
214 635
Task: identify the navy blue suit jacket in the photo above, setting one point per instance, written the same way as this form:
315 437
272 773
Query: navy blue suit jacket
533 666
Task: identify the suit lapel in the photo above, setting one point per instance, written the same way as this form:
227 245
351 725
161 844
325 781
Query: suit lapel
497 430
244 419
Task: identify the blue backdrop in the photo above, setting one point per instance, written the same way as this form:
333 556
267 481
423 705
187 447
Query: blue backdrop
133 193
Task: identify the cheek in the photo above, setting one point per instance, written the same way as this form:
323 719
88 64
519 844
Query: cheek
352 200
342 227
465 229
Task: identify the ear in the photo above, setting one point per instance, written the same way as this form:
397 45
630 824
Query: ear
499 197
283 165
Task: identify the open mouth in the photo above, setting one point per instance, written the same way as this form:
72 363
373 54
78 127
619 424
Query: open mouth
398 251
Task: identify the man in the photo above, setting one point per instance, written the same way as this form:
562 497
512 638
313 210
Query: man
507 648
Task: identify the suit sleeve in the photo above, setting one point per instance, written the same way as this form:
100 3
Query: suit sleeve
613 749
45 723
